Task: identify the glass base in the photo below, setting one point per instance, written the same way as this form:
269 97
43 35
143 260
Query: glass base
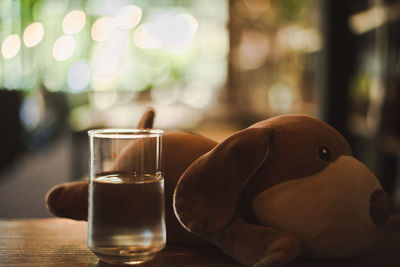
125 255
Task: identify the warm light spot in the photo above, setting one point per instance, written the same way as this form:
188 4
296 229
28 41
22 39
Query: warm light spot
165 95
103 28
74 21
297 38
281 98
103 99
191 20
79 76
374 17
128 17
53 79
11 46
370 19
174 32
252 52
64 47
197 95
33 34
168 31
104 84
143 39
109 58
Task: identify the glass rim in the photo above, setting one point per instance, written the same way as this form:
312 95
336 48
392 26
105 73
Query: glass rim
126 133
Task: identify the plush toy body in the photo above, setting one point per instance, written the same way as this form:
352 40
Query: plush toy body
280 188
180 149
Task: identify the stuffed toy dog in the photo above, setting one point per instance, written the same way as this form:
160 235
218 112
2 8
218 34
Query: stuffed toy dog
283 187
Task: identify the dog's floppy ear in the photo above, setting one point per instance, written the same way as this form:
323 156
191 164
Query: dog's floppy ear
208 192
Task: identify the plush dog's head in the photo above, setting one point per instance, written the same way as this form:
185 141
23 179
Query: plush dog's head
294 173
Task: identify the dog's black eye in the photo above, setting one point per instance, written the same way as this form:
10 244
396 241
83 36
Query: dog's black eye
324 154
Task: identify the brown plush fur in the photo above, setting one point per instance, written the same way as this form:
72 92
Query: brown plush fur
296 139
298 199
180 149
228 168
264 195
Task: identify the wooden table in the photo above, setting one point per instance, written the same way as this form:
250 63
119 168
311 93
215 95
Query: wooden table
62 242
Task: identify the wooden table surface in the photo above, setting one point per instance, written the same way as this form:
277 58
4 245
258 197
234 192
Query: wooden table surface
62 242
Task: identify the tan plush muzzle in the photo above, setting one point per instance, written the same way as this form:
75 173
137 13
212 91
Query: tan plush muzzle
335 211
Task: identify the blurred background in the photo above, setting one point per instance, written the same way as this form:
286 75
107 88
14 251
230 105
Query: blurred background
210 67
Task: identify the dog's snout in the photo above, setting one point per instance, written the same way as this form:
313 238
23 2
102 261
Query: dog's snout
380 207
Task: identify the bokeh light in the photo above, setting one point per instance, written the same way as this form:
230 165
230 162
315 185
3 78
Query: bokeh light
79 76
103 28
191 20
281 98
11 46
252 51
103 84
102 99
297 38
128 17
166 30
369 19
101 49
33 34
74 22
31 111
166 95
109 58
12 75
197 95
64 47
143 39
53 79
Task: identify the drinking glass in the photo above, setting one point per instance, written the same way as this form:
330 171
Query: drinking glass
126 220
